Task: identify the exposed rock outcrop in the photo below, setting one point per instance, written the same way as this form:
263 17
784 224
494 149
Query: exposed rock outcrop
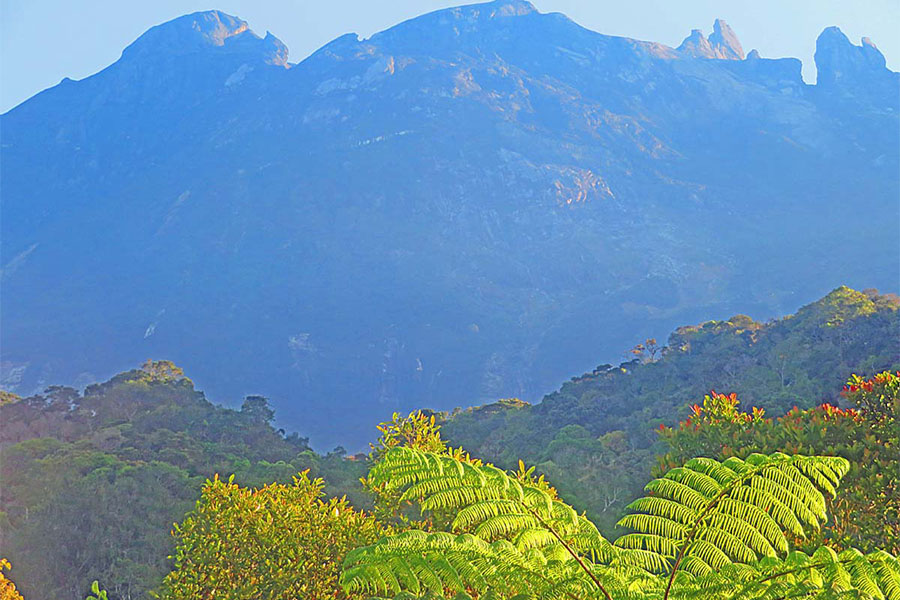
722 43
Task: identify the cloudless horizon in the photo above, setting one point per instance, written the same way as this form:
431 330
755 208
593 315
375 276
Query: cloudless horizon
43 41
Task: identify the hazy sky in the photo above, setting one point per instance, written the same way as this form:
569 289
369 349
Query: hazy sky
42 41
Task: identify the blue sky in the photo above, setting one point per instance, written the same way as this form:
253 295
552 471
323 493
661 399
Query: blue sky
42 41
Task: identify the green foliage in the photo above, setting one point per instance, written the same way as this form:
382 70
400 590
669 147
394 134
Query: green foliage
509 531
96 592
126 460
801 360
418 431
705 514
707 530
276 542
867 514
128 457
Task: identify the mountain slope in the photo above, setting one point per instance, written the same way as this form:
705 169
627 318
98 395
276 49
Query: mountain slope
466 206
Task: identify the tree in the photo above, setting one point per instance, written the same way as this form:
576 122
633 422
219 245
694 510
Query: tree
278 542
257 409
7 588
707 529
162 370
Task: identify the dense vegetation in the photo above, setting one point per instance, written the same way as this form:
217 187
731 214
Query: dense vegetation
596 437
706 529
867 513
93 481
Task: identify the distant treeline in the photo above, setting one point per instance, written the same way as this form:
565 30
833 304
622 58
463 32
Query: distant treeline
596 438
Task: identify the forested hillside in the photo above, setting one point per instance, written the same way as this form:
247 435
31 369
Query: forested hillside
596 437
93 481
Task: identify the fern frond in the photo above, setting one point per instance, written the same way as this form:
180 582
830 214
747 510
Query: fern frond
823 575
706 530
423 563
708 514
487 501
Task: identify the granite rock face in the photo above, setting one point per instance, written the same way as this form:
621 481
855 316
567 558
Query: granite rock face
725 42
722 43
473 204
844 69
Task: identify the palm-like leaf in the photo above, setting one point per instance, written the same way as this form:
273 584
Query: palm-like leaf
490 503
497 509
823 575
423 563
706 530
706 515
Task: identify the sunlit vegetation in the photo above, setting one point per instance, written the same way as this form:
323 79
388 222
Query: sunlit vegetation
280 542
706 529
7 588
867 512
121 463
597 437
94 481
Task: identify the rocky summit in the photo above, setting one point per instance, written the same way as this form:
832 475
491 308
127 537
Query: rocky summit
473 204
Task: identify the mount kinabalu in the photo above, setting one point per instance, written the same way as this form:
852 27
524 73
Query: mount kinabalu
473 204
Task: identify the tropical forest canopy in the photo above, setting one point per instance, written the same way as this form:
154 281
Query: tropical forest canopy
634 481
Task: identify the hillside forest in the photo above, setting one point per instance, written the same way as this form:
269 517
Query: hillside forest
741 459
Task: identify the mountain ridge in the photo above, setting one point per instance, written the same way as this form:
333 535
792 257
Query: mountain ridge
450 211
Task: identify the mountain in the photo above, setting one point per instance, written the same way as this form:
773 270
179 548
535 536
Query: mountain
469 205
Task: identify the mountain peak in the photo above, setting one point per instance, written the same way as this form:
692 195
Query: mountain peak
725 41
722 43
204 31
840 63
512 8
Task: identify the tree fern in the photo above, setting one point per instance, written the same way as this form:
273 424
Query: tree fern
423 563
706 514
518 512
490 503
707 530
823 575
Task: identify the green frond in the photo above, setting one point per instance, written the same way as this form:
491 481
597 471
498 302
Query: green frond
421 563
678 492
655 544
753 520
708 514
655 525
824 575
664 507
746 531
698 481
707 530
523 523
730 544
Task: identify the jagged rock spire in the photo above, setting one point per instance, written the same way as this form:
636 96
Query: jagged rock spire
722 43
725 42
